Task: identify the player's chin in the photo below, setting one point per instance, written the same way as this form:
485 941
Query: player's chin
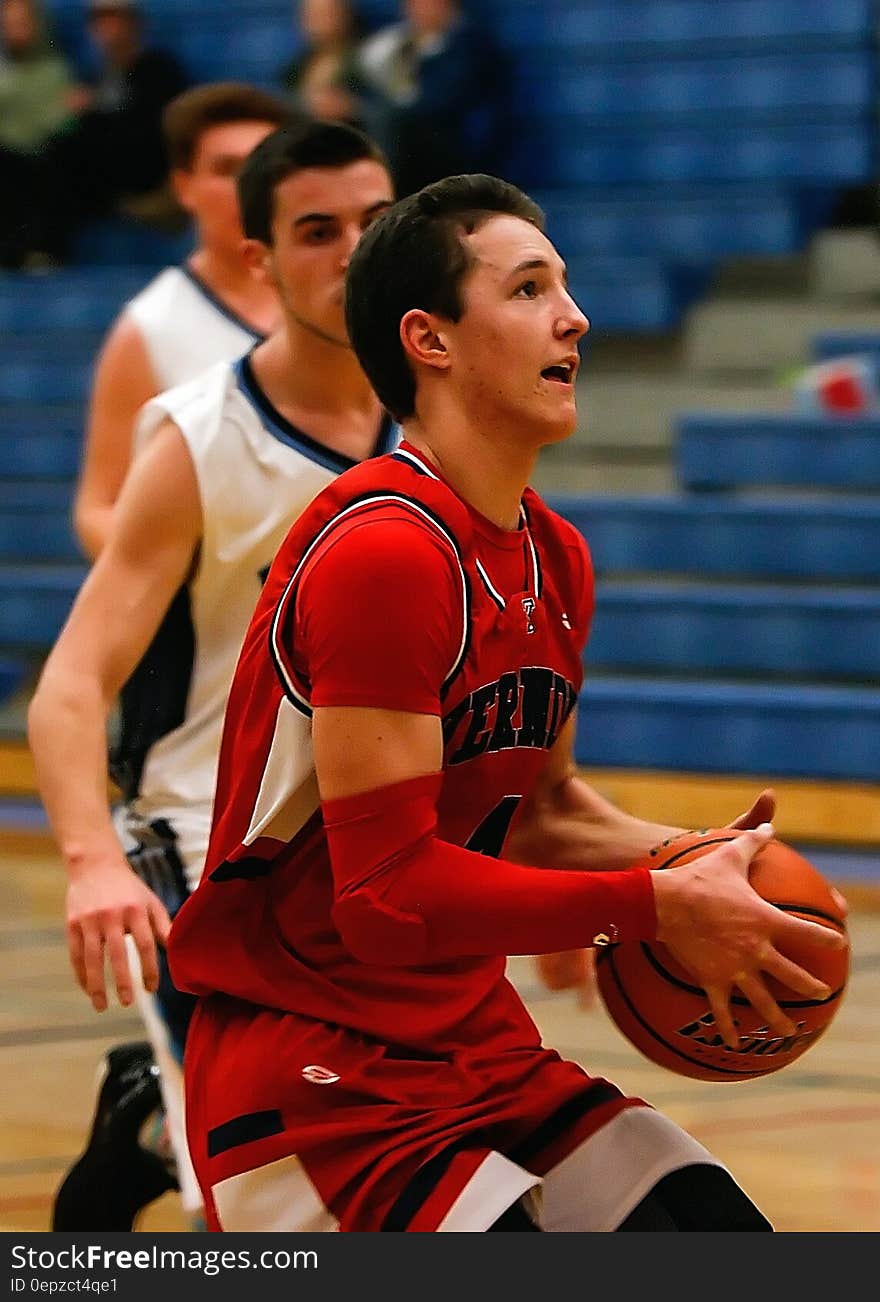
559 425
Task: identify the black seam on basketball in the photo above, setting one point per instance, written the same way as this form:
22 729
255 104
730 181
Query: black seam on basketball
695 1062
739 1000
701 845
811 912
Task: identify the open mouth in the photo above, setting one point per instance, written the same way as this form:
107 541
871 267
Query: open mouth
561 373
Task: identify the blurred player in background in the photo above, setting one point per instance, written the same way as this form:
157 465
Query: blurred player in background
225 462
210 309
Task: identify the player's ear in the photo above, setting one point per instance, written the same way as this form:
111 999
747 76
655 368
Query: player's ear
181 185
258 258
423 339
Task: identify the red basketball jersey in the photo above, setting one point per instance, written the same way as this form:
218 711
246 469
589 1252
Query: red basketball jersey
512 680
347 1076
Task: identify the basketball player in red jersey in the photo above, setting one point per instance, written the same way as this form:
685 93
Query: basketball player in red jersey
402 710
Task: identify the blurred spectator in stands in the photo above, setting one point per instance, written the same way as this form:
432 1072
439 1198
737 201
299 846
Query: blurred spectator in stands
35 86
436 90
116 148
35 79
323 80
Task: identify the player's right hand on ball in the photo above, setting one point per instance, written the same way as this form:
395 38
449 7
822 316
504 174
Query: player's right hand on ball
105 902
726 935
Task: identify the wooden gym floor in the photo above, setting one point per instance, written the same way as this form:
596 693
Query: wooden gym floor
804 1143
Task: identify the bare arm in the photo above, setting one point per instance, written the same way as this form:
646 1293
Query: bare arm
566 823
123 382
112 622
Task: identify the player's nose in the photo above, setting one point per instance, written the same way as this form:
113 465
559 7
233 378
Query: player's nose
350 237
572 323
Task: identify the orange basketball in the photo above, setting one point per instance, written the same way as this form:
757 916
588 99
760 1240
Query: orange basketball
654 1002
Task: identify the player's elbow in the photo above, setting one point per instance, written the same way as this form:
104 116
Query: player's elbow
91 526
42 711
378 933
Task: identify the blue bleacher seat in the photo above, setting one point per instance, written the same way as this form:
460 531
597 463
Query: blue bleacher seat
35 522
60 344
818 152
625 294
785 632
846 343
806 731
825 541
647 27
23 420
256 52
34 603
12 676
27 536
124 243
695 227
50 455
44 381
727 450
74 299
775 86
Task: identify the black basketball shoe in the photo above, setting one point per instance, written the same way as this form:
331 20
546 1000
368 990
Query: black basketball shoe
116 1177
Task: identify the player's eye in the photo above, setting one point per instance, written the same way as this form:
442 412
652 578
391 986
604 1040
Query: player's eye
319 234
528 289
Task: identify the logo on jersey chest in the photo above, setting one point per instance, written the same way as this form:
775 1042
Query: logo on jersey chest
522 709
528 605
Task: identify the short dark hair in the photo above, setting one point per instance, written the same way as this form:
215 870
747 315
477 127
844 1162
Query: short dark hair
189 115
413 256
290 150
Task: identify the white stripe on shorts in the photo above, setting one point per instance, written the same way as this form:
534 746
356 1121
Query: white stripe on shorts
276 1198
597 1186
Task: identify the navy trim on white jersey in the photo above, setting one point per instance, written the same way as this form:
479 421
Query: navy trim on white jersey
223 308
281 428
377 498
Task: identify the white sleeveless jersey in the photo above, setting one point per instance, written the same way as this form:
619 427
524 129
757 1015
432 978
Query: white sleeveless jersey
256 473
186 328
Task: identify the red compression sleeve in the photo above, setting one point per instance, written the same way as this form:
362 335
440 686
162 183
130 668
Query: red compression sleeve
406 898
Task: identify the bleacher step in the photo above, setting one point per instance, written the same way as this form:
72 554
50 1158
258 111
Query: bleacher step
845 264
762 335
629 409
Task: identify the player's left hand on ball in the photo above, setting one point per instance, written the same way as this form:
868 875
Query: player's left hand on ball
726 935
762 811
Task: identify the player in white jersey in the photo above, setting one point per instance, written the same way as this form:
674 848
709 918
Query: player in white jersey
209 310
187 318
246 446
